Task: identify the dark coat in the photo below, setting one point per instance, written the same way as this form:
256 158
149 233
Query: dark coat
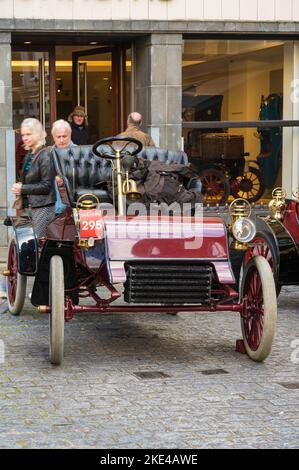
80 134
38 182
164 183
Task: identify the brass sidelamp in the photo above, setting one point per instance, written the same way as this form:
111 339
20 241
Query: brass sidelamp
277 205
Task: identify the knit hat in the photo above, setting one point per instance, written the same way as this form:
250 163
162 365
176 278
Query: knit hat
78 111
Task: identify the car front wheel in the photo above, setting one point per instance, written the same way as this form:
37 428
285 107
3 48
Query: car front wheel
258 319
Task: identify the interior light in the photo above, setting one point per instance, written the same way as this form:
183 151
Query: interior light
93 43
27 42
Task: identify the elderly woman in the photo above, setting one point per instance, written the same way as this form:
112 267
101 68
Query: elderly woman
37 177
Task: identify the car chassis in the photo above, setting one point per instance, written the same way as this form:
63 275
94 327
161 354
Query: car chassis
197 271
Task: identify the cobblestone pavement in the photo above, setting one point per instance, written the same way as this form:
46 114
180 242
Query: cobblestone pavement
95 400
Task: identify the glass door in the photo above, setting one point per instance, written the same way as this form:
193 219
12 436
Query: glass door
100 81
32 95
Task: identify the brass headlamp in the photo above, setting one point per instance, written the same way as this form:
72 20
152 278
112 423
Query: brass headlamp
277 205
242 228
87 201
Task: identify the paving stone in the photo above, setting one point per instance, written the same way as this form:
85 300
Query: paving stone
94 400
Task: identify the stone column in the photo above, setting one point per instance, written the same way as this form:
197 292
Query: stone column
290 148
159 87
5 126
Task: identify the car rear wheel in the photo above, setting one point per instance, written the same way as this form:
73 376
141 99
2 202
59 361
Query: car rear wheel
56 297
248 186
258 320
15 282
215 187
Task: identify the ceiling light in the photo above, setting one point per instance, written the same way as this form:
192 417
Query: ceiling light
93 43
27 42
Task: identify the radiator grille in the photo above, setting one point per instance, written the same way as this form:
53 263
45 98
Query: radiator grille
168 284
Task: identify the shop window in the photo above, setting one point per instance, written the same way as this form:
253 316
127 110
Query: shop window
229 89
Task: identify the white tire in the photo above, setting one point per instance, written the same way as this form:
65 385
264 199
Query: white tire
259 320
15 282
56 299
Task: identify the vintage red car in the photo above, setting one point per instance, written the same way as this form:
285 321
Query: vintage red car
164 263
277 238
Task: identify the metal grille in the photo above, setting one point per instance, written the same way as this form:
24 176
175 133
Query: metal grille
168 284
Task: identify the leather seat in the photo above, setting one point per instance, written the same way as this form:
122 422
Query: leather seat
85 172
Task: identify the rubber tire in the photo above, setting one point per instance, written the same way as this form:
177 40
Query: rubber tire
56 317
270 308
219 174
17 306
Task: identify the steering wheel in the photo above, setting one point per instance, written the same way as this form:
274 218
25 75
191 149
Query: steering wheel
113 144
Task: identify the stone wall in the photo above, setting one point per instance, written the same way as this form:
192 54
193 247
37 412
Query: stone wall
244 10
5 124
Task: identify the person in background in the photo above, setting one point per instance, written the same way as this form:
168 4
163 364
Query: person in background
133 129
37 177
79 126
61 133
20 153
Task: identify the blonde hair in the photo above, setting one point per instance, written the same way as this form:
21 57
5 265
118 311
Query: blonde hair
61 124
37 130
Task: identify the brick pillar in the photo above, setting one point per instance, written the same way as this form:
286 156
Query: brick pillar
159 87
5 126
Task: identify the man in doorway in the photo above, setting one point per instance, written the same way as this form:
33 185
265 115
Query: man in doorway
134 123
78 122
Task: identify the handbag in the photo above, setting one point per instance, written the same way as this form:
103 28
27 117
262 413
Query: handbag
59 205
18 204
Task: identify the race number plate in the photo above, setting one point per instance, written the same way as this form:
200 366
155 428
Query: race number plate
91 223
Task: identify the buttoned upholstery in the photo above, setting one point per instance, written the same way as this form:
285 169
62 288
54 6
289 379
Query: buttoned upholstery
87 173
163 155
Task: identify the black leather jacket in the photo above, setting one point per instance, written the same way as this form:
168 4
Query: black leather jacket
38 182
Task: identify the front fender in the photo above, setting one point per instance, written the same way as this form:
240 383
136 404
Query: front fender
26 245
287 250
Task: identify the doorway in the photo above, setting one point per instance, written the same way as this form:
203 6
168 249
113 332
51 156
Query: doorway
33 84
99 79
48 81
